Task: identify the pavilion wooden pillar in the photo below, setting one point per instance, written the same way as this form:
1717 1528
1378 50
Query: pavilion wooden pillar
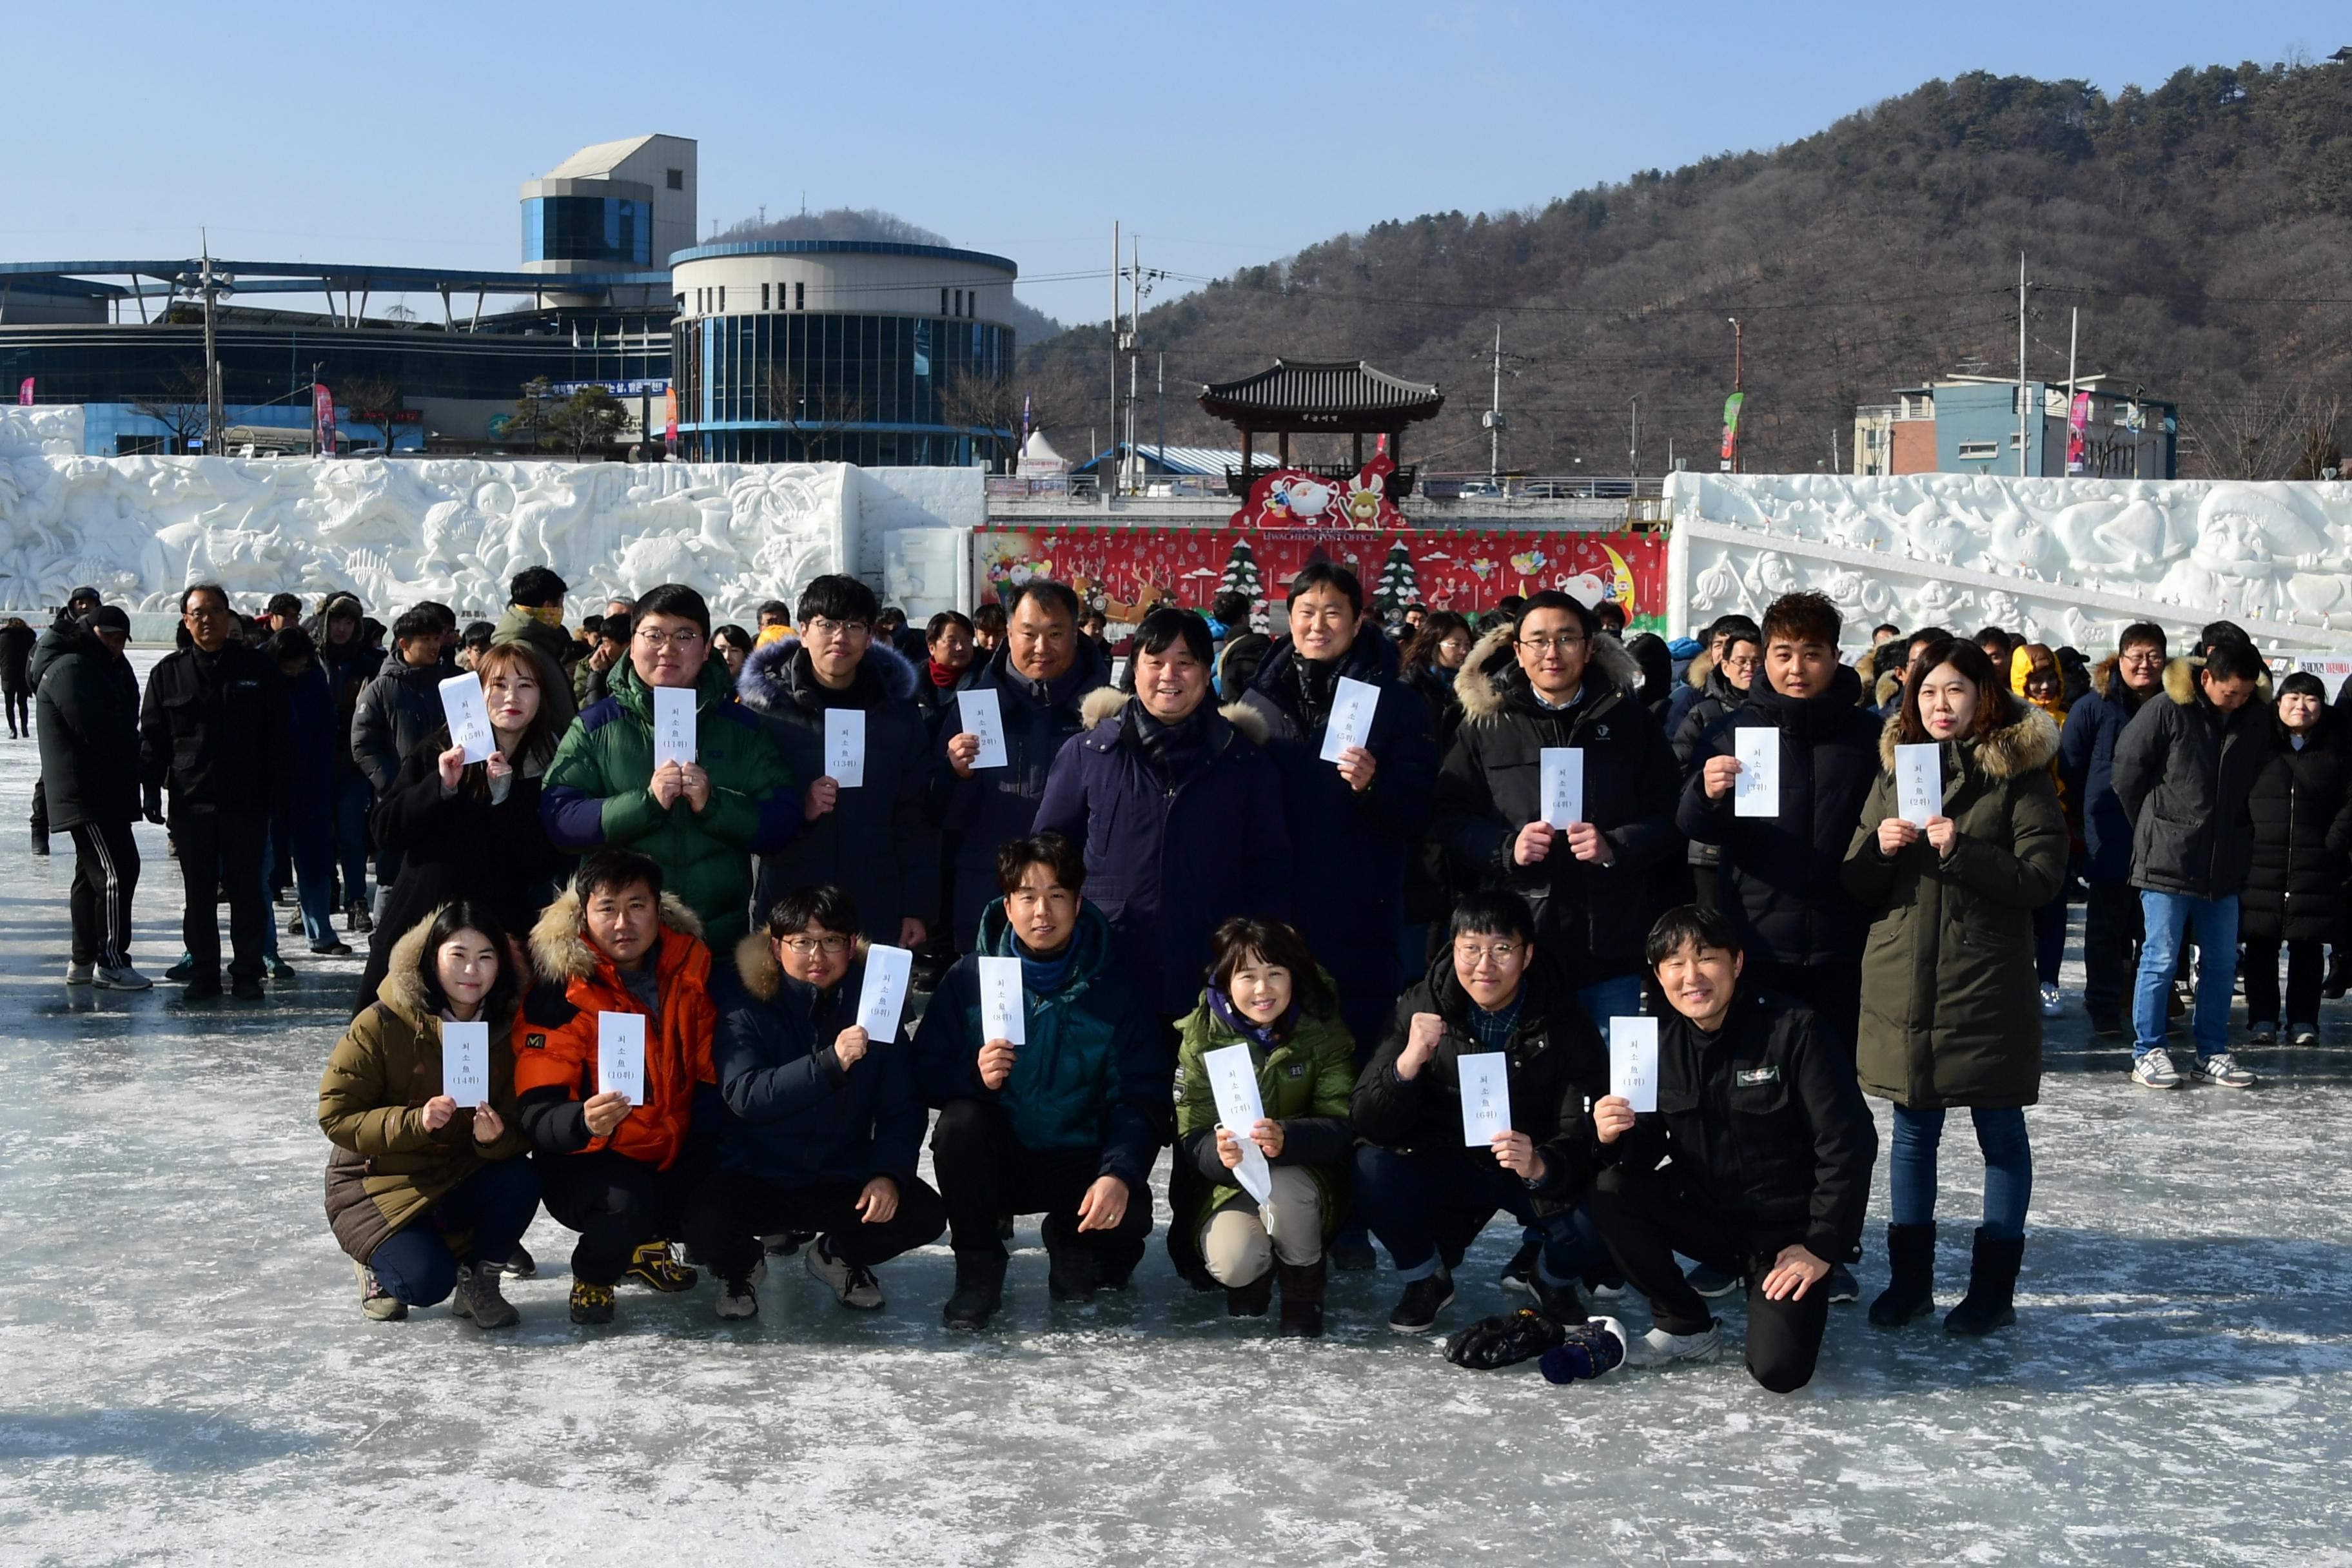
1246 459
1360 450
1284 437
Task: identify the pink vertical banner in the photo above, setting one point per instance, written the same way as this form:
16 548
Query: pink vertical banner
25 393
322 414
2077 418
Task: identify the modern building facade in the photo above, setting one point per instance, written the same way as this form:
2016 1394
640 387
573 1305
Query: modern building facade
1969 425
840 350
837 351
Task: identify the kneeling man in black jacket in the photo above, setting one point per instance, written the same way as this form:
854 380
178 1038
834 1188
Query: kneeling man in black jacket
1771 1149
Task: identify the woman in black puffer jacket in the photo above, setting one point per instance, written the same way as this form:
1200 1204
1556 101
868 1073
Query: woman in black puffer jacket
2295 895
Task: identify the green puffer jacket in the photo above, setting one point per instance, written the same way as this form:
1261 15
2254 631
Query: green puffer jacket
386 1171
1951 1009
1304 1083
596 795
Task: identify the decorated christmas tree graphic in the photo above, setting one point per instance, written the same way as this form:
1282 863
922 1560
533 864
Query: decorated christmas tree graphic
1398 586
1240 574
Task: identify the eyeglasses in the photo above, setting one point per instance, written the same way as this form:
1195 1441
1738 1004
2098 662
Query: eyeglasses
810 946
819 626
1455 645
1476 955
1746 662
681 639
1547 644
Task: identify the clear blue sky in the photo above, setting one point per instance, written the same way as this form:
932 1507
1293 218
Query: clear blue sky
1225 134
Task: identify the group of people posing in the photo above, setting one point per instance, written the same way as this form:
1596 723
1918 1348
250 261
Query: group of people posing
1109 884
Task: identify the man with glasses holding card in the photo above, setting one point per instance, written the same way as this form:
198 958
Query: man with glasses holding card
1435 1158
1357 765
671 767
1549 683
1754 1158
1064 1120
619 959
840 704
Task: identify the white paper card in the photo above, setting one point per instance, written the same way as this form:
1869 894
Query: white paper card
673 724
1352 705
983 717
1486 1097
1563 785
468 716
466 1063
1003 1003
844 746
1758 791
1634 1062
1234 1081
1919 782
620 1054
1118 673
884 996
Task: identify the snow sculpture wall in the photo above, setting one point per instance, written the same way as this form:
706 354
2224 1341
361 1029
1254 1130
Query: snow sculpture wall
2062 560
455 530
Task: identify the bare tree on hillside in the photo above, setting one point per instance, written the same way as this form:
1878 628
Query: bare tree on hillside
179 404
2265 434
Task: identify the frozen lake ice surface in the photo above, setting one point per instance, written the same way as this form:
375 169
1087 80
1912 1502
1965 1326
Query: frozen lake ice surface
185 1375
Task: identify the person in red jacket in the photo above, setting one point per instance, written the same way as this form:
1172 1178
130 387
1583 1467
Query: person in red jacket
618 1173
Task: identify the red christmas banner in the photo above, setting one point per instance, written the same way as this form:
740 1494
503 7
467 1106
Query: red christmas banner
1125 572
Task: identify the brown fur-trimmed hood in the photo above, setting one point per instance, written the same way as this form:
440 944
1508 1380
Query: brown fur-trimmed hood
2027 741
1481 685
2180 681
1105 702
402 987
1695 672
561 951
756 966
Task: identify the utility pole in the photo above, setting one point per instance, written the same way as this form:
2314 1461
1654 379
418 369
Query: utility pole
214 424
2074 341
1495 416
2021 364
1114 348
1739 386
1163 441
1134 360
1633 442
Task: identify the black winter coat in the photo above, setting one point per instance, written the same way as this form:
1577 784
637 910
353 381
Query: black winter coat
2086 763
878 841
1352 847
86 717
937 702
1557 1063
396 712
2183 772
16 656
999 804
461 846
214 729
1592 918
1764 1123
797 1117
2301 808
1780 875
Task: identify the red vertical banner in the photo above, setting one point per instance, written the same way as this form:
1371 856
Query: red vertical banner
1124 571
323 419
25 392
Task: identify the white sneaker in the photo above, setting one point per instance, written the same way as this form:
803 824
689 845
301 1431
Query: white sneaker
2050 1006
2155 1070
78 973
2222 1069
2306 1034
1659 1348
737 1300
852 1284
123 979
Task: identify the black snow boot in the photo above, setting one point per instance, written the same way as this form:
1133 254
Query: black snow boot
1252 1300
1911 1293
1992 1283
1302 1299
979 1291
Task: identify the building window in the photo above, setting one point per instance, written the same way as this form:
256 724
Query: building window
943 302
722 299
1978 451
799 295
676 179
763 296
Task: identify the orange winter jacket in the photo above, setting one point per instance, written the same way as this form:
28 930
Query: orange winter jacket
555 1036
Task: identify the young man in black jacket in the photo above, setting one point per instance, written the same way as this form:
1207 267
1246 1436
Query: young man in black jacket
213 730
1770 1148
1423 1189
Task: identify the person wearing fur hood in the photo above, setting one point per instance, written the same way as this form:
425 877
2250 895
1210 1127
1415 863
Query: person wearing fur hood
1179 806
1951 1010
617 1171
874 837
1551 679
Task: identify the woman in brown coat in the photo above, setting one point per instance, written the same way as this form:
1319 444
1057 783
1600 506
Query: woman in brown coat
427 1195
1951 1012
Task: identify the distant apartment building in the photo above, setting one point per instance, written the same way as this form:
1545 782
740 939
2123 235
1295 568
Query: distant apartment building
1969 425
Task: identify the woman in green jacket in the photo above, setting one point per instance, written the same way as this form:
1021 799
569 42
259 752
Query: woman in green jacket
1951 1006
1267 992
429 1196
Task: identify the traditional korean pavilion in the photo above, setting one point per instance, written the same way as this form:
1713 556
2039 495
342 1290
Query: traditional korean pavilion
1325 397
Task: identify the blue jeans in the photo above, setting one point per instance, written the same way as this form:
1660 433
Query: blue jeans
312 846
351 797
2216 921
2009 1168
1401 1195
496 1204
1618 998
